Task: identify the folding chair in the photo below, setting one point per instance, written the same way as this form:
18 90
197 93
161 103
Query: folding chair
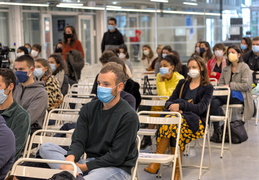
256 97
61 116
82 88
214 81
150 100
40 136
162 158
152 82
78 100
135 168
205 136
37 172
223 91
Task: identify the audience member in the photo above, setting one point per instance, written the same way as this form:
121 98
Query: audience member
237 76
22 50
157 62
17 119
124 55
30 94
71 42
59 70
218 63
246 45
115 153
251 58
36 50
148 56
43 73
28 46
196 49
205 51
191 98
7 148
166 82
112 38
58 48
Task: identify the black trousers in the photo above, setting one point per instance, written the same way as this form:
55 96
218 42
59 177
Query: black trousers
215 107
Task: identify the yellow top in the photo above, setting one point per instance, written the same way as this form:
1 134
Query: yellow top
167 87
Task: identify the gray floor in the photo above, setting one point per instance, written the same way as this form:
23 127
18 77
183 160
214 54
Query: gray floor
239 163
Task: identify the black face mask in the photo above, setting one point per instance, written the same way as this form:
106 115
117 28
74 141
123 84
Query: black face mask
68 36
58 50
202 50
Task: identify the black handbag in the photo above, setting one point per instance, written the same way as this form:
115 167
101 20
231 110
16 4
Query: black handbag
238 132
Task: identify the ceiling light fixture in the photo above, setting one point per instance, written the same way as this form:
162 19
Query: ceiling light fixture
190 3
115 7
23 4
164 1
70 4
81 7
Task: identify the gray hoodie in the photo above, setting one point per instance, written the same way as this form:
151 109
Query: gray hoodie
34 99
7 148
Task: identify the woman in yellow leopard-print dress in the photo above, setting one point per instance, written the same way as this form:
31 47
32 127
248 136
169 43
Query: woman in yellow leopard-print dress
43 73
191 98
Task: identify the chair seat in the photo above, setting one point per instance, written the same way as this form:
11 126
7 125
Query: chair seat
148 132
234 106
158 158
217 118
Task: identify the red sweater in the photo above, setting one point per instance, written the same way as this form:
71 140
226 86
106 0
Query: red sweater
77 46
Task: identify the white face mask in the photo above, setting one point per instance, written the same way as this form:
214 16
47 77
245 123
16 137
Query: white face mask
194 73
218 53
122 55
146 52
197 49
34 53
20 54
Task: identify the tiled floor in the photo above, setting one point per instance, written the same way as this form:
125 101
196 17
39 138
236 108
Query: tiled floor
241 162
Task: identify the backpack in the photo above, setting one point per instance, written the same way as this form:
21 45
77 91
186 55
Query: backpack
75 63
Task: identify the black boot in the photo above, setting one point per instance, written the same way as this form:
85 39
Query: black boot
216 137
146 141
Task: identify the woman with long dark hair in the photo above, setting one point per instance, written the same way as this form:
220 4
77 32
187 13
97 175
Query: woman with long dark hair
71 42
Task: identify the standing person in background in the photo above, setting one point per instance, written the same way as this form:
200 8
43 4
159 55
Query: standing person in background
135 43
218 63
148 56
205 51
71 42
28 46
246 45
36 50
112 38
59 70
124 55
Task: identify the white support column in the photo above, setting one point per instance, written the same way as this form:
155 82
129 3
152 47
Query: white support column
16 26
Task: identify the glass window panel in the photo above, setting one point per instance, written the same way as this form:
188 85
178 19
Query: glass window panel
4 35
31 26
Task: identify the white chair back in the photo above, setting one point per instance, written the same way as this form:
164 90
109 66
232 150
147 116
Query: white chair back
36 172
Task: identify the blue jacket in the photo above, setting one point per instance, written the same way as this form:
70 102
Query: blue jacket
7 148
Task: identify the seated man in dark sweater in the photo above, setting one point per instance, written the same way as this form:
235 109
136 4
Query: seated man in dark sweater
106 131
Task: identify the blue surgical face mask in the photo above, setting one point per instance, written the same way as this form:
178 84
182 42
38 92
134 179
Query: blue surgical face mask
164 55
104 94
3 96
53 67
163 70
111 27
22 76
255 49
29 50
38 72
243 47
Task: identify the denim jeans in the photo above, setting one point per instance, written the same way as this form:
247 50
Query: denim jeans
53 151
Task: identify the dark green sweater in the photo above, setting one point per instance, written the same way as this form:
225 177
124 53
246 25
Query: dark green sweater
109 136
18 120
